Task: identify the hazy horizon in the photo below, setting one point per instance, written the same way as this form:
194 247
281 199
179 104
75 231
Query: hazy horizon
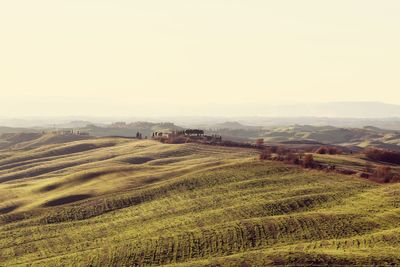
338 110
155 58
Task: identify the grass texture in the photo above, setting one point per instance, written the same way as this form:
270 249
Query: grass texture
124 202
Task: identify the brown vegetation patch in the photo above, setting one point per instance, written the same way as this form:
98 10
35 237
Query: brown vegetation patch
328 150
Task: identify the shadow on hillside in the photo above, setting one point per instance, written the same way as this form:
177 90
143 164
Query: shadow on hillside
66 200
138 160
8 209
49 188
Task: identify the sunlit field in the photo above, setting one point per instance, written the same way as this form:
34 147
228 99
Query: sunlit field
125 202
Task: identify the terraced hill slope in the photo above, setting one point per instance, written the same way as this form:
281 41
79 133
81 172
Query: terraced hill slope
124 202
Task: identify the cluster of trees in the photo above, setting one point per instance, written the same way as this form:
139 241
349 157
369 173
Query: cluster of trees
306 160
260 142
383 155
214 137
382 173
189 132
156 134
236 144
196 132
288 156
328 150
195 136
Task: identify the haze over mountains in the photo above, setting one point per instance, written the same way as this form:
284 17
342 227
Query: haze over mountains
322 109
340 109
331 113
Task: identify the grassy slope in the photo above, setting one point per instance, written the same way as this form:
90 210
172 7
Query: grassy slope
355 162
18 141
120 202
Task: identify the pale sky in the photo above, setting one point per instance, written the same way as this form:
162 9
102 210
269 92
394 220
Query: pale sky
143 57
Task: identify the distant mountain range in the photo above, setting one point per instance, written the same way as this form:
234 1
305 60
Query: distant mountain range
342 114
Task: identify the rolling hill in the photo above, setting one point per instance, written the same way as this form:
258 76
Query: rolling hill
123 202
358 138
26 140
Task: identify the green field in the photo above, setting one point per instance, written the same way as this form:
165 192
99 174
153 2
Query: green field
125 202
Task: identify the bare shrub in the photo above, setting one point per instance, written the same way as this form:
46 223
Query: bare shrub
328 150
260 142
364 175
308 161
368 168
265 155
334 151
346 171
384 172
321 150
